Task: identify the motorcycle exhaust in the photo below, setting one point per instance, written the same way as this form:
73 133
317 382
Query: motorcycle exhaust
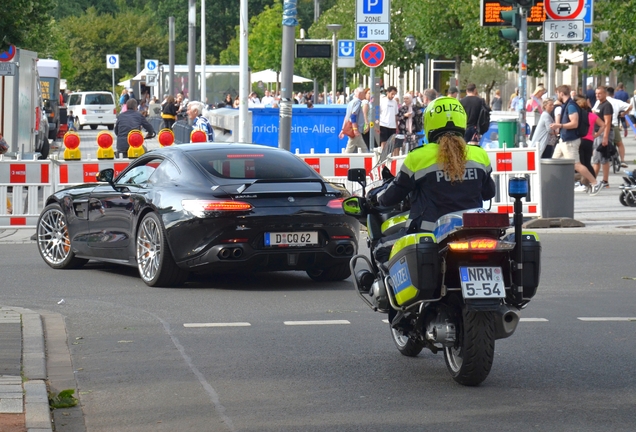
379 296
348 250
506 320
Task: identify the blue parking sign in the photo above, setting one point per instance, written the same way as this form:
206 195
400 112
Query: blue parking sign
346 49
372 7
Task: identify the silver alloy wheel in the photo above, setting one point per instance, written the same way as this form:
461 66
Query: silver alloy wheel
53 238
399 338
149 249
455 360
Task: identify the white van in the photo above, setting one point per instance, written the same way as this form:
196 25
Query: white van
92 108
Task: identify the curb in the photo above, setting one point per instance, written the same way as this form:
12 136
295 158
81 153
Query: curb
36 400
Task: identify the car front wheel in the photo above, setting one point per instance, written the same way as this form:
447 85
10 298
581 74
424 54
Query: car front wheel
156 265
54 242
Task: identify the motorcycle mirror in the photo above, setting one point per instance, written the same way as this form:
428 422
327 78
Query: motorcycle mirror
358 175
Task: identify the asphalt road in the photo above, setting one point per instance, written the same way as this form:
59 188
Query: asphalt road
141 365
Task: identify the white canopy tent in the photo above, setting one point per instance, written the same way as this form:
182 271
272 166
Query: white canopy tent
270 76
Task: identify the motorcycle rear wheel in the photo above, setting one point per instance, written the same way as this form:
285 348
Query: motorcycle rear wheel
469 361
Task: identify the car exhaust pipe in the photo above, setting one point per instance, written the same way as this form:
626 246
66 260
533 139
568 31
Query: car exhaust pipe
340 250
348 250
224 253
506 320
237 253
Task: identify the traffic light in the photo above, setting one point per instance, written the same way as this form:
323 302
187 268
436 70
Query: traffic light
514 18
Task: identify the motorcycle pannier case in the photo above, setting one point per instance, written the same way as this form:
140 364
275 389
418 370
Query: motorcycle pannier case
414 269
531 247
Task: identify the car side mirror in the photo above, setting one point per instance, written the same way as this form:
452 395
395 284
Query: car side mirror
107 175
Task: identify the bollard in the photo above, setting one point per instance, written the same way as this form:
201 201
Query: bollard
105 143
72 143
135 143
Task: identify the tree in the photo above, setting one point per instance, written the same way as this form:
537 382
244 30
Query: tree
25 24
486 75
617 52
91 36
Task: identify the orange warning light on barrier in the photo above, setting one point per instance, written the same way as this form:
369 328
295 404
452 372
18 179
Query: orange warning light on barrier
198 136
105 143
166 137
136 143
72 143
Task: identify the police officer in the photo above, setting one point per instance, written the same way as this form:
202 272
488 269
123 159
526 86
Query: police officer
444 176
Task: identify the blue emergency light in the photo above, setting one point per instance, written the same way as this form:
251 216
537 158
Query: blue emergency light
518 187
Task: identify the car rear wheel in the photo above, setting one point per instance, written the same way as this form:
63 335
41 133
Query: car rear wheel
336 273
156 265
111 127
93 127
54 242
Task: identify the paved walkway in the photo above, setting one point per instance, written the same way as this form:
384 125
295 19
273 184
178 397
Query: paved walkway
23 389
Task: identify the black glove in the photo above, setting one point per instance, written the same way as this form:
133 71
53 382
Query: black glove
150 135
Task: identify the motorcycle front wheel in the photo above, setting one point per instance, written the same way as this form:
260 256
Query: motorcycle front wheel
406 345
469 361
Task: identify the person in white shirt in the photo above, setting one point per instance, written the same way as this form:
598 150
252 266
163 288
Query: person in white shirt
388 114
267 100
253 100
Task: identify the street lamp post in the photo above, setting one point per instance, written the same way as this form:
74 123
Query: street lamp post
409 44
334 28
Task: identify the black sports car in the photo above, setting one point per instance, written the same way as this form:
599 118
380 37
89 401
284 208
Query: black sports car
203 208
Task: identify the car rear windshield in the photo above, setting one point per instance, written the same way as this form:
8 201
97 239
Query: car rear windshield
253 164
99 99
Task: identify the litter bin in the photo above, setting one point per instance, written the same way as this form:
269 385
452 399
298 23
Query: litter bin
557 188
507 133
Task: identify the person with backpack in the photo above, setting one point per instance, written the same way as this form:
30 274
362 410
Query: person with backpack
477 114
568 146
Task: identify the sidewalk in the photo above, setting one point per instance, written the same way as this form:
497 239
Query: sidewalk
24 402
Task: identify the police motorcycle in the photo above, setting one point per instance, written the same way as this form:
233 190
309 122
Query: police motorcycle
457 289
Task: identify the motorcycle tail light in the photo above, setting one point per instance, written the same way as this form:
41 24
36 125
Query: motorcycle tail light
480 244
335 203
201 207
485 220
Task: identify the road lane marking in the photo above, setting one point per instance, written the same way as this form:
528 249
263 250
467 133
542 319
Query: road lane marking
324 322
234 324
592 319
533 320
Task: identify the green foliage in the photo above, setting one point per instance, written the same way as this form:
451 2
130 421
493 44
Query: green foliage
25 24
63 400
486 75
92 36
617 52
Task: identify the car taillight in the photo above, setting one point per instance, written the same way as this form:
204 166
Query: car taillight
335 203
37 118
235 240
115 111
480 244
200 207
83 111
341 237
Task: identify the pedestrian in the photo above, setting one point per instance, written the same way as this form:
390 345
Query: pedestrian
535 102
228 100
586 149
127 121
619 108
428 96
169 112
545 137
622 95
388 115
590 95
123 98
604 143
199 122
568 145
366 105
268 99
472 105
496 102
355 116
513 105
70 122
253 100
453 92
237 102
409 122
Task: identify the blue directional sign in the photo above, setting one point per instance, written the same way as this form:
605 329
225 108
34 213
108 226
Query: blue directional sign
589 13
151 66
346 48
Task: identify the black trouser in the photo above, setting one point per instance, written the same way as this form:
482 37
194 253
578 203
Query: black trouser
585 155
167 123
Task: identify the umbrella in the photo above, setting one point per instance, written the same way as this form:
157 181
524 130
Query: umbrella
270 76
